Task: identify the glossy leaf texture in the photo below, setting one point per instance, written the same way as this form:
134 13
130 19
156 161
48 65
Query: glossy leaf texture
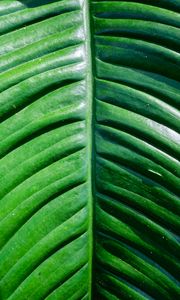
137 149
43 187
89 149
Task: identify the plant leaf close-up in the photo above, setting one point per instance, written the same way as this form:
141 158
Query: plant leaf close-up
89 149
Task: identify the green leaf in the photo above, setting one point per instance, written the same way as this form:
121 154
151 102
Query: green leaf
89 149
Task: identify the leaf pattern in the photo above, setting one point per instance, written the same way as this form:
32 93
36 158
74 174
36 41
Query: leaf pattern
89 149
137 145
44 185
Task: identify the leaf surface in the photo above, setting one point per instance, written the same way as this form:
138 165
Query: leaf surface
89 149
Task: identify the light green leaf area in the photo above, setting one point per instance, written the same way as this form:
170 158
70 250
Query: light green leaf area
89 150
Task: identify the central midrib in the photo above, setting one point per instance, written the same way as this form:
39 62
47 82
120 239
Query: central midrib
90 121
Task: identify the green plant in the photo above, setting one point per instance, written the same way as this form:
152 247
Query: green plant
89 147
